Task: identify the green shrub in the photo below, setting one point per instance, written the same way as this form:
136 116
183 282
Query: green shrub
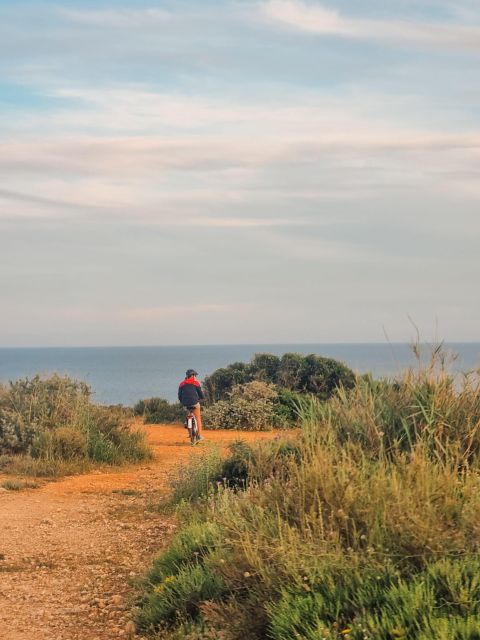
30 405
180 596
51 421
285 409
26 465
158 410
205 473
235 470
314 374
221 382
188 631
376 602
180 581
293 371
111 439
259 463
64 443
249 407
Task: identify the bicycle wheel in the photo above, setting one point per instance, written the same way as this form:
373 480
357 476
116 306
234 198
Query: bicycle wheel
193 430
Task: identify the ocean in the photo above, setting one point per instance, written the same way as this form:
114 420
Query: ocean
123 375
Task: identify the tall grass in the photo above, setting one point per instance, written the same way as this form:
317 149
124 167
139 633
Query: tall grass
386 417
368 529
49 426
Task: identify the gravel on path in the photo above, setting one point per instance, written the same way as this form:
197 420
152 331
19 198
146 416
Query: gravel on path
72 550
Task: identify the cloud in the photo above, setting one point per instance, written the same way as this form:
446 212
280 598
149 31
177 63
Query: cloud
129 128
318 19
113 18
132 155
139 157
293 168
148 314
14 196
264 179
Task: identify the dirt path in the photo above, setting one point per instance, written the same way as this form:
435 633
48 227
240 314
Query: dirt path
71 550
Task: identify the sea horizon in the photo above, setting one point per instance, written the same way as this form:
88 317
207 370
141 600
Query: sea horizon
126 374
242 344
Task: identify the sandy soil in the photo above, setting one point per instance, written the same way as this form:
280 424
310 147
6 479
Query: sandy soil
70 551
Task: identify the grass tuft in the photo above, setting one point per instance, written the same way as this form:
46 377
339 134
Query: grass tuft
18 485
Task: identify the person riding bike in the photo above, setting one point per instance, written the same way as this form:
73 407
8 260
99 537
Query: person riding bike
189 394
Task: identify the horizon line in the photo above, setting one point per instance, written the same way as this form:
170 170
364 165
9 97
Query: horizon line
239 344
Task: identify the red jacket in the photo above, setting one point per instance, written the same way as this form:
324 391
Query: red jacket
190 392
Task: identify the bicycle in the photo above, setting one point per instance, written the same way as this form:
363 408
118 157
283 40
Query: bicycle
192 427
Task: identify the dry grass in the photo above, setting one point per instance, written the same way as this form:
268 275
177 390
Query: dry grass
18 485
49 427
368 528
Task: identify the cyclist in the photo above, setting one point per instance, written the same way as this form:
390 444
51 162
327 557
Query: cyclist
189 394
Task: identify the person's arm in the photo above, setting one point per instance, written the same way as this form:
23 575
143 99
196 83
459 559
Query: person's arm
201 395
180 394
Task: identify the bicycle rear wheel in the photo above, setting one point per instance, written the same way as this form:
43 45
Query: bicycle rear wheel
193 430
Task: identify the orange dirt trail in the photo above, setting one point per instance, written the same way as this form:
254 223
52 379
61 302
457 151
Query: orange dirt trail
70 551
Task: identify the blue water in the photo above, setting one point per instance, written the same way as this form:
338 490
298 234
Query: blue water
123 375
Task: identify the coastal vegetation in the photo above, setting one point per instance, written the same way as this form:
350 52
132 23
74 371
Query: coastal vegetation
293 371
49 426
253 406
257 396
362 524
159 410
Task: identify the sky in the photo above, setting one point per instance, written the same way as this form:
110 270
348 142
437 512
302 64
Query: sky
205 172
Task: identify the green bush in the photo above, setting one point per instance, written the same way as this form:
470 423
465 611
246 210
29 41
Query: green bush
180 596
33 404
221 382
257 464
111 439
377 602
205 473
52 421
293 371
249 407
236 468
232 403
180 580
158 410
64 443
286 408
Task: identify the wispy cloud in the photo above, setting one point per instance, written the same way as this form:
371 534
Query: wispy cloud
14 196
319 19
148 314
294 167
146 17
232 180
